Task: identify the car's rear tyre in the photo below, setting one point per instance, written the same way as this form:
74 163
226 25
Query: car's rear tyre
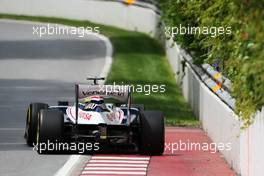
50 129
32 122
151 133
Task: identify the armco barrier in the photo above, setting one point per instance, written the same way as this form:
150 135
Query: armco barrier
217 118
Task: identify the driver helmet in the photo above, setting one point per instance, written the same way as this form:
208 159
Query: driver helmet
95 103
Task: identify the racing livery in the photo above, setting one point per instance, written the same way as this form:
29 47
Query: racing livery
100 113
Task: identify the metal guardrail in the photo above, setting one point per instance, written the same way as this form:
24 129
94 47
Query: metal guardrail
213 79
223 82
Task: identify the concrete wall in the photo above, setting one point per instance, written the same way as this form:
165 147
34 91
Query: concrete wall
103 12
221 124
219 121
251 147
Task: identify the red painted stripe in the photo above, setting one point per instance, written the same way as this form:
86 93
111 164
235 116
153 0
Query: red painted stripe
96 97
71 113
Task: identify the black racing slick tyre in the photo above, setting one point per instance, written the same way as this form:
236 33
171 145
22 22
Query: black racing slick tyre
50 129
32 122
151 133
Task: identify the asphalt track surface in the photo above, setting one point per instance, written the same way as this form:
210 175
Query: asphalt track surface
34 69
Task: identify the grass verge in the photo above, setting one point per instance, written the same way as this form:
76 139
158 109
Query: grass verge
138 60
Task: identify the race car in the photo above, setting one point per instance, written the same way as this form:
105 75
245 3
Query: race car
101 114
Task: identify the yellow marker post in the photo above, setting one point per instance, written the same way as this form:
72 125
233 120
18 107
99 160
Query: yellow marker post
217 76
217 87
129 2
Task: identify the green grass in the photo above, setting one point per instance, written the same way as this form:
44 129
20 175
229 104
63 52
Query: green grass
138 59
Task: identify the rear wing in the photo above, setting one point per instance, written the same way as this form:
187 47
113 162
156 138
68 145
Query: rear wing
118 92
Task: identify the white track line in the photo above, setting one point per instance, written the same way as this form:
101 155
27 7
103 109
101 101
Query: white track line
68 166
118 165
118 161
109 48
114 172
108 57
120 158
116 168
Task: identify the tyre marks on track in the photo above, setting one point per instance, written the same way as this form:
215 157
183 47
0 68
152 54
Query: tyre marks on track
116 165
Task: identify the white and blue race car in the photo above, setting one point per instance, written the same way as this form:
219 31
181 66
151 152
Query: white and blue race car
100 113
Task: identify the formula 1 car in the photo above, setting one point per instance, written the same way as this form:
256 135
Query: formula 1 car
101 114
